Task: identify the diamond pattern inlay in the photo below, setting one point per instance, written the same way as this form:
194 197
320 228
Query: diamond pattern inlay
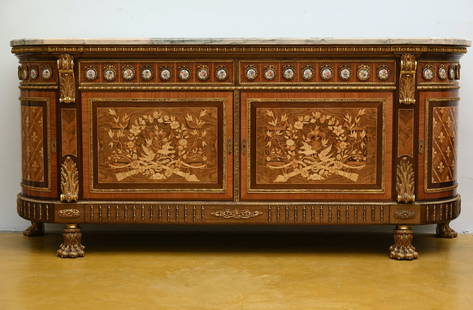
33 141
443 146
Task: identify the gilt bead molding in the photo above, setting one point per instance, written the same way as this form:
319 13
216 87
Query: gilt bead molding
215 49
262 87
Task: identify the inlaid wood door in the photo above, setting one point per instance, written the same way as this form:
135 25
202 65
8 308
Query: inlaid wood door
38 135
437 177
159 145
316 145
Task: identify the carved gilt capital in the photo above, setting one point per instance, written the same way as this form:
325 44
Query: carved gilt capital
69 180
407 79
65 66
405 180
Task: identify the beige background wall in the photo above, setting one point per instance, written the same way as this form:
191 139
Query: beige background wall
242 18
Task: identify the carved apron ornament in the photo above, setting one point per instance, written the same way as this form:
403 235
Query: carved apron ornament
69 213
236 214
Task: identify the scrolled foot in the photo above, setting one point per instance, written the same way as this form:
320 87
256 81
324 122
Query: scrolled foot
402 249
445 231
35 229
71 247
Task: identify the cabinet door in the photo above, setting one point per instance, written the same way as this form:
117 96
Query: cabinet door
160 145
437 176
38 135
316 145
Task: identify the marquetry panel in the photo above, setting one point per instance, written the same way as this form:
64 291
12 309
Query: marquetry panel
307 144
69 131
160 145
341 71
34 146
157 143
443 148
316 145
147 72
405 126
38 127
437 153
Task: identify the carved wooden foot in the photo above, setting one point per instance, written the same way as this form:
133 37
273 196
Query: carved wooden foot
36 229
71 247
402 248
445 231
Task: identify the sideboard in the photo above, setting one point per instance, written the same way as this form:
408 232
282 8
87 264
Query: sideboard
239 131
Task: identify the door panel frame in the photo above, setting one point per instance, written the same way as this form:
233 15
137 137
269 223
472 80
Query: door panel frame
385 99
224 192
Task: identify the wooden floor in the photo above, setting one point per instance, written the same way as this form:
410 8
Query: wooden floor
230 271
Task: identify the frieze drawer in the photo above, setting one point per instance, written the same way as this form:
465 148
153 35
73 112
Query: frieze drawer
253 132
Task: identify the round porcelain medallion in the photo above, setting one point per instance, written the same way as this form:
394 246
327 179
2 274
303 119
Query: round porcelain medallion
146 74
428 73
326 73
128 74
307 74
165 74
33 74
363 73
24 74
451 72
251 73
203 74
184 74
289 74
21 72
345 73
46 73
442 73
383 73
91 74
109 74
269 74
221 74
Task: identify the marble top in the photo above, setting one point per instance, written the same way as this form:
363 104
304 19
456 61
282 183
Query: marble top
243 41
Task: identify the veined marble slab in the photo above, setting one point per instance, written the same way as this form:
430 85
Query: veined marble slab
243 41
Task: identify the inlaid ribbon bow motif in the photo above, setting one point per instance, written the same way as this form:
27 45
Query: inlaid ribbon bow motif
158 144
315 145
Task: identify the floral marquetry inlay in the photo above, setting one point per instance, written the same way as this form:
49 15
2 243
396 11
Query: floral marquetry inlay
443 144
316 145
32 124
168 144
